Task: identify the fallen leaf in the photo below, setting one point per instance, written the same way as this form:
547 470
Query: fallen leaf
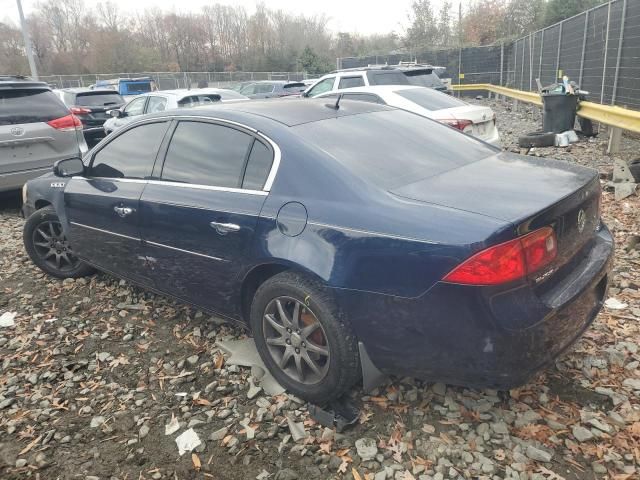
196 462
30 446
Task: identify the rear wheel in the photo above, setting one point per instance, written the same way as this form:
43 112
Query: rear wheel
303 339
49 248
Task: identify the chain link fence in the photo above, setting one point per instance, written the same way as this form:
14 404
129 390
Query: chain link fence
599 49
173 80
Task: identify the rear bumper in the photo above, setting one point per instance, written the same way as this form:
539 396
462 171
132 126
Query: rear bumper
473 337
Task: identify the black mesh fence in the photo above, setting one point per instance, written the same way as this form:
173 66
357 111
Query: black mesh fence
599 49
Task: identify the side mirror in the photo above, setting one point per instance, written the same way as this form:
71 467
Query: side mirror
68 167
115 113
305 94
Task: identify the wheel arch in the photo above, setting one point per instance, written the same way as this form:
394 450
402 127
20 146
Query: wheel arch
260 274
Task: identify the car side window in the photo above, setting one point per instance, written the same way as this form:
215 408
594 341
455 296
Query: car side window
351 82
206 154
363 97
135 107
264 88
131 154
156 104
325 85
258 166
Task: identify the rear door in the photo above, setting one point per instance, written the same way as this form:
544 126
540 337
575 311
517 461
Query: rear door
34 132
102 209
200 216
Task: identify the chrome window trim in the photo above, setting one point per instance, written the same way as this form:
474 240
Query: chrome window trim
111 179
105 231
156 244
277 153
206 187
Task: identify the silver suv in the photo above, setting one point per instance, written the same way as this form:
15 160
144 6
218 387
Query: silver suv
36 130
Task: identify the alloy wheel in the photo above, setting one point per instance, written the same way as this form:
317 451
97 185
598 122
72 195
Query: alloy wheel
52 246
296 340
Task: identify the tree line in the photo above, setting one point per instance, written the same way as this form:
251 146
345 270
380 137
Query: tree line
70 36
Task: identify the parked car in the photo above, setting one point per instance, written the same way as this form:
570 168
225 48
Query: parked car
168 100
36 129
272 89
352 240
476 120
356 77
91 107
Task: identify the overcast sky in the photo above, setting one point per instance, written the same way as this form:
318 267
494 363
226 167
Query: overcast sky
362 16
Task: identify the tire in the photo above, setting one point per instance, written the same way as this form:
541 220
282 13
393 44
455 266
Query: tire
48 247
537 139
337 371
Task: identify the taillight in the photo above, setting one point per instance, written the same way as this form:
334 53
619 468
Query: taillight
67 123
79 110
459 124
508 261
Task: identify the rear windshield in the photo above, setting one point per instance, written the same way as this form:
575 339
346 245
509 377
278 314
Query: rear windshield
30 106
430 99
393 77
424 78
394 148
98 99
295 86
201 99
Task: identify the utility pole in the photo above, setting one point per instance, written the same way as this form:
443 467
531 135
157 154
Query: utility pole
459 42
27 43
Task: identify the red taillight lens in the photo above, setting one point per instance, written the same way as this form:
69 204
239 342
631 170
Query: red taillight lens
455 123
79 110
508 261
69 122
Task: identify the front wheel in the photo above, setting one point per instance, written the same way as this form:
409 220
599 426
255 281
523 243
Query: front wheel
49 248
303 338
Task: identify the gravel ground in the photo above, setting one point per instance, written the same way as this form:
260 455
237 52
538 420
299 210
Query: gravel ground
95 369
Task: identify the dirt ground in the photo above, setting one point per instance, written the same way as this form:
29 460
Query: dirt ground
94 369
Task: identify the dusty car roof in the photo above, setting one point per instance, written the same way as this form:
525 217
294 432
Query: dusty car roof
295 111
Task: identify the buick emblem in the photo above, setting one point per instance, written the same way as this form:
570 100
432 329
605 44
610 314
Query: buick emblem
582 220
17 131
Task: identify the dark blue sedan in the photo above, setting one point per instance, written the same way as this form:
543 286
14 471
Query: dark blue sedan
352 239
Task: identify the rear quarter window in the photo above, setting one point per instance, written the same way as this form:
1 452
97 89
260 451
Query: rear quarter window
30 106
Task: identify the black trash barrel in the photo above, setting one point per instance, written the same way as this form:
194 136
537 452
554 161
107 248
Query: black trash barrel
559 112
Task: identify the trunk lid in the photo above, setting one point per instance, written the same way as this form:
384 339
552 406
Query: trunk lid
526 191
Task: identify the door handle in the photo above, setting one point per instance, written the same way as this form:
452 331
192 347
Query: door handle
123 211
224 228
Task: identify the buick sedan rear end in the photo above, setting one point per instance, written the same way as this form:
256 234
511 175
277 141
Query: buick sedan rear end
352 239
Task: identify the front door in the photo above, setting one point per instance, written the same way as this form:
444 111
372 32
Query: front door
199 217
102 209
